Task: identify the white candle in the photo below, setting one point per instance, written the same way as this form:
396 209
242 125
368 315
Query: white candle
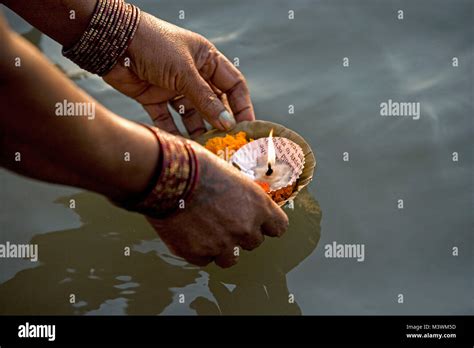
279 178
271 153
280 172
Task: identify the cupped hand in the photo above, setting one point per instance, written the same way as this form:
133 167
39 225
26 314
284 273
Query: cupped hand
175 65
227 211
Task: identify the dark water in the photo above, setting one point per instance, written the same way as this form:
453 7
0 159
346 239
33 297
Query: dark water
299 62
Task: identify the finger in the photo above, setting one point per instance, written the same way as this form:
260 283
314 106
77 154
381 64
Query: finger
252 241
199 261
153 95
222 96
192 120
134 87
225 101
227 258
225 76
276 222
161 117
207 102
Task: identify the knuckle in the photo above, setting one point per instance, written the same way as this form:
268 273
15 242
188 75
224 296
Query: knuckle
226 262
245 233
189 114
208 101
198 261
227 258
160 116
182 83
195 249
282 225
252 242
204 42
240 79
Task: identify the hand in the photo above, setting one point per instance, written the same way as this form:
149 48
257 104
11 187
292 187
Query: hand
226 210
172 64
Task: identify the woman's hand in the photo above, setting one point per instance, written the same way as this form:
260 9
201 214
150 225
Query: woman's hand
166 62
226 210
171 64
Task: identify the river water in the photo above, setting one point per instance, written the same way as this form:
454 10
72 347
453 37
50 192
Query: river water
408 253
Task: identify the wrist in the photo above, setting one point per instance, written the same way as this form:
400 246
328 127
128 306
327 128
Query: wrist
138 44
141 169
107 37
132 162
173 181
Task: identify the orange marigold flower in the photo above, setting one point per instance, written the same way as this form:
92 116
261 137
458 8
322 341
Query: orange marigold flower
229 142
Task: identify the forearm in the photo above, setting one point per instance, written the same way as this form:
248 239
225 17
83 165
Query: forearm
107 154
54 17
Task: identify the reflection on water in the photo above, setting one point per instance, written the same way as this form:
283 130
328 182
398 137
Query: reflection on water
90 263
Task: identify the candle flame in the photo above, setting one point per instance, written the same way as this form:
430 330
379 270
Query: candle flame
271 150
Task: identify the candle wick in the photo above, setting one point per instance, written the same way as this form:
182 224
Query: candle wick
270 170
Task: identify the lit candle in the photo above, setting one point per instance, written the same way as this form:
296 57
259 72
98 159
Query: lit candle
271 154
270 170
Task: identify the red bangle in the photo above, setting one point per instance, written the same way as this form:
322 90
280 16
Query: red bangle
174 181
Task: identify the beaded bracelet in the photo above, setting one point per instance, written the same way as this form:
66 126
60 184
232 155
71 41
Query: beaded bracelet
110 31
174 181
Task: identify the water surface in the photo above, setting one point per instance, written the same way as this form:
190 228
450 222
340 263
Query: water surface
297 62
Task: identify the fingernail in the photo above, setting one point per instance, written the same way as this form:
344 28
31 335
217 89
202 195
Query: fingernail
227 120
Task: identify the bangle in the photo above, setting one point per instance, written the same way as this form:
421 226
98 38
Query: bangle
174 181
110 31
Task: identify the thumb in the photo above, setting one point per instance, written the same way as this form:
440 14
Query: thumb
277 221
208 103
